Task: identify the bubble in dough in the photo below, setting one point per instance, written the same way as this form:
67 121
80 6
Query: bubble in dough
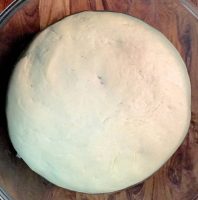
98 102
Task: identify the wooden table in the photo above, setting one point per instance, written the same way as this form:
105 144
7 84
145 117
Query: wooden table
178 178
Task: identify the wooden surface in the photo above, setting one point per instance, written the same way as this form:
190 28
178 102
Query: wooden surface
178 178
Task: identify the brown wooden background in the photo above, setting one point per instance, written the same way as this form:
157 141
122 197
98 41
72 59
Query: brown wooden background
178 179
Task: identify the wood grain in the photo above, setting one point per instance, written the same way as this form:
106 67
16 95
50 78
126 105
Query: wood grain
178 178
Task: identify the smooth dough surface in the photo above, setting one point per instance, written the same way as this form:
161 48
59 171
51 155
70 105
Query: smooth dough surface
98 102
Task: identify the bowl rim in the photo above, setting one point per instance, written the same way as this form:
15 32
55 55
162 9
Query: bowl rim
10 10
15 5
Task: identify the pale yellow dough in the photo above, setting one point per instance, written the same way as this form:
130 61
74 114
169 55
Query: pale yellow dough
98 102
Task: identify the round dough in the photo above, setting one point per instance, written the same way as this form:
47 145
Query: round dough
98 102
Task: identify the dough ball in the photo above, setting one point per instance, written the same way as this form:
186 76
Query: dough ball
98 102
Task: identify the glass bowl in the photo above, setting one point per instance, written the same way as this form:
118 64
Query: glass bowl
177 20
